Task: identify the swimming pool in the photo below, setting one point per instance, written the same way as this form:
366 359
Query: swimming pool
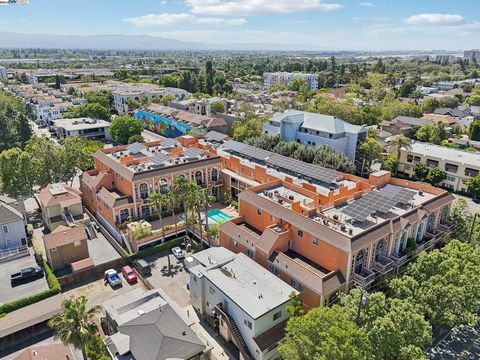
218 216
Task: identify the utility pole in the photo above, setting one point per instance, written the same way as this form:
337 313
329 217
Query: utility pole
361 301
473 227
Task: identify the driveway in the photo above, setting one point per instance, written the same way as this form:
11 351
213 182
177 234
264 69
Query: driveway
27 288
173 282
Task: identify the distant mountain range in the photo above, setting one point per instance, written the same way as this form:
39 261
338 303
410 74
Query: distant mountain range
125 42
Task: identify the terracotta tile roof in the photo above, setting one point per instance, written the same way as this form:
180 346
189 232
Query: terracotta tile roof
82 264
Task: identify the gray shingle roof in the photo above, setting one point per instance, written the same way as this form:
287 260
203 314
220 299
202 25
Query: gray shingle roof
161 334
8 214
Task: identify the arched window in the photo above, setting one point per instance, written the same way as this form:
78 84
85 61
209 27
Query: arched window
431 223
444 215
199 177
359 261
163 185
214 174
143 190
402 244
420 231
124 215
145 211
379 250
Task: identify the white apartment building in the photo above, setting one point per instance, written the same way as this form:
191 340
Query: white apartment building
445 59
472 54
242 298
458 165
316 129
84 127
138 91
284 78
3 73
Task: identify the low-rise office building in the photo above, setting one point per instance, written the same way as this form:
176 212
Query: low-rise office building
83 127
284 79
245 301
316 129
458 165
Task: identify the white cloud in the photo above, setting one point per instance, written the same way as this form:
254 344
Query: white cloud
434 19
255 7
166 19
366 4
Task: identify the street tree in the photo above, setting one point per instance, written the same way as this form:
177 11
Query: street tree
123 127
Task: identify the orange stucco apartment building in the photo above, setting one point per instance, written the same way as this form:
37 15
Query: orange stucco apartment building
118 189
323 231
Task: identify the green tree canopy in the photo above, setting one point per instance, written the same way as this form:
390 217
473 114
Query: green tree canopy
421 171
123 127
436 176
91 110
473 186
218 107
15 129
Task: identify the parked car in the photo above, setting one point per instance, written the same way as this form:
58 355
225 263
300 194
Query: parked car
26 273
179 253
111 276
129 275
142 266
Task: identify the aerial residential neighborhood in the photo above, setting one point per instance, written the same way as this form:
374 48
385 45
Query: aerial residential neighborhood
239 180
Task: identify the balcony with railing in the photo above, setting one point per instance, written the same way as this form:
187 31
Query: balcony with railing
364 278
383 264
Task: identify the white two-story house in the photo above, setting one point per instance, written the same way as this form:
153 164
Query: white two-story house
243 299
12 224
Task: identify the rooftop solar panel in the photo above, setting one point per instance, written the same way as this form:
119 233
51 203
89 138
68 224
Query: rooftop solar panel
247 150
159 159
135 148
215 136
372 202
169 143
192 152
304 169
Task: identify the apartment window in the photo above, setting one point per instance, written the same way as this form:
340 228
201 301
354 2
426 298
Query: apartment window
301 288
432 163
195 278
471 172
315 241
273 270
277 315
449 178
293 282
5 229
248 323
451 168
416 159
409 158
300 233
250 253
259 211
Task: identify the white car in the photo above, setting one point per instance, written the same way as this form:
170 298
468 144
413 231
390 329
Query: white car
112 277
179 253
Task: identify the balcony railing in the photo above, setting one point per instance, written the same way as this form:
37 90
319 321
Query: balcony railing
447 226
364 278
217 183
383 264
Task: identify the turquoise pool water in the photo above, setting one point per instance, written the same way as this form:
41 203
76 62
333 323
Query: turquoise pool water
218 216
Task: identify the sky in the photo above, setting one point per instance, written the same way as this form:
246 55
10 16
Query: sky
324 24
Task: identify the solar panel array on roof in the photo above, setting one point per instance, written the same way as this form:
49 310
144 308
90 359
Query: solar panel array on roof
381 201
169 143
307 170
215 136
159 159
247 150
192 152
136 148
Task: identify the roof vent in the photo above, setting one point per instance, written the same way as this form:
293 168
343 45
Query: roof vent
141 312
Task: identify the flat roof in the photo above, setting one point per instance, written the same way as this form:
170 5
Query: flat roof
252 287
80 124
446 153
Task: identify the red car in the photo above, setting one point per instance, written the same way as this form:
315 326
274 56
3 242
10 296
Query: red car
129 275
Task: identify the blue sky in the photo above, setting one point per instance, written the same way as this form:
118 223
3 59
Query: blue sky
326 24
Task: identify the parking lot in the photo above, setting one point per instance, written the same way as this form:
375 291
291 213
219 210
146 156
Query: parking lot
98 291
26 288
173 282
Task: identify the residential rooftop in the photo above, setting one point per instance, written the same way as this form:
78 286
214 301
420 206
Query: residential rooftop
253 288
446 153
80 124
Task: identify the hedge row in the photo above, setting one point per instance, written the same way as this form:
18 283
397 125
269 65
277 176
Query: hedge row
156 249
54 288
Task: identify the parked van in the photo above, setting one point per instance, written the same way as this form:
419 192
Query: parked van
142 266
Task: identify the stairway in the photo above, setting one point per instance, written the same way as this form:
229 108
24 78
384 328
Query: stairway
236 333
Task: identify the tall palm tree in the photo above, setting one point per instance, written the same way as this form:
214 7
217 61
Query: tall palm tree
194 200
75 325
157 201
179 188
171 198
208 201
396 144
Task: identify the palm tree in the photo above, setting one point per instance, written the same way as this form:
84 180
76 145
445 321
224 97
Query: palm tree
396 144
157 200
179 188
208 201
194 199
171 198
75 325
